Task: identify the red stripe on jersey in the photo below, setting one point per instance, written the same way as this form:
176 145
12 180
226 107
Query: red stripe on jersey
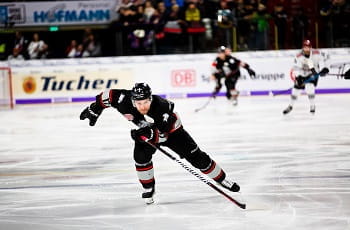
210 169
101 101
220 175
173 128
147 181
292 74
110 96
144 169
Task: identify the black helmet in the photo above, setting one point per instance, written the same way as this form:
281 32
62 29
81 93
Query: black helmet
141 91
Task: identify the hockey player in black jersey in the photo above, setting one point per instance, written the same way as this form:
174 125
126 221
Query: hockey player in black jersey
165 129
226 66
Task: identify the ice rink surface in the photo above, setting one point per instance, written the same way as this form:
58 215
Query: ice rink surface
56 172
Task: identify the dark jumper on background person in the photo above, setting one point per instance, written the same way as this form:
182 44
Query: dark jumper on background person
227 67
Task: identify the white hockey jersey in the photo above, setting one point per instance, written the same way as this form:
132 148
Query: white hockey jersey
303 65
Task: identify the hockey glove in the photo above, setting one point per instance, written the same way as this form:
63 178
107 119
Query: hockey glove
251 72
91 112
324 71
146 134
347 75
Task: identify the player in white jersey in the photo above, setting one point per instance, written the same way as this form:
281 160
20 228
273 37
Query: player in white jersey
307 65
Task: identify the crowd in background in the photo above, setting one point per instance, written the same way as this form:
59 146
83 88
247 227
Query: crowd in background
166 25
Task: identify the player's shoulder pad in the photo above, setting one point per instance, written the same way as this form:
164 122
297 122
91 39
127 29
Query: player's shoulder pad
299 55
123 95
162 104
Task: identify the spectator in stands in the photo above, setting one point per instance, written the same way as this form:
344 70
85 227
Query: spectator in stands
21 44
175 27
126 4
225 20
127 16
86 34
93 47
260 18
15 55
148 11
141 36
243 25
175 17
80 52
159 19
71 50
300 26
280 19
192 15
37 48
337 14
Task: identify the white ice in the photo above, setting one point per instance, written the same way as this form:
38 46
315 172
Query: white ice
56 172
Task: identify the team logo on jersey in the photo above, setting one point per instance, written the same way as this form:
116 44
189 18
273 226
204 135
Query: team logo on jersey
129 116
165 117
121 97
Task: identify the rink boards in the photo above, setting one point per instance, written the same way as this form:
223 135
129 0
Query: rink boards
172 76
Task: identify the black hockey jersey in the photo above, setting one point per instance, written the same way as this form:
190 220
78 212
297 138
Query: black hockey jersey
227 66
161 110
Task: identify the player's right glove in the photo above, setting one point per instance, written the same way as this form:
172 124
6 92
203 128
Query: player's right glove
92 112
145 134
324 71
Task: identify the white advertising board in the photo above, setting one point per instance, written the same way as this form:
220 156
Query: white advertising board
168 75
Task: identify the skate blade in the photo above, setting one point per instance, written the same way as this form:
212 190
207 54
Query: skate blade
149 200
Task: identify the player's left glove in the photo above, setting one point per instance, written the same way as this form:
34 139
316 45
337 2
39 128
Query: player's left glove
145 134
91 112
324 71
251 72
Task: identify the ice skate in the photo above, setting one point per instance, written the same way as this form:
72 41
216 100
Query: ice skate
232 186
234 102
288 109
312 109
148 194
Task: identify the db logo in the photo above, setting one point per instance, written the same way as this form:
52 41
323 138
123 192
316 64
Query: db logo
183 78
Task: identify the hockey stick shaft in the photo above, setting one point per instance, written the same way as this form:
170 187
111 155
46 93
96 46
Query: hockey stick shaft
204 105
314 77
280 92
193 172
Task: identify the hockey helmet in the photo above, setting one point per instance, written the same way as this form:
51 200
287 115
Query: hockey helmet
221 49
307 43
141 91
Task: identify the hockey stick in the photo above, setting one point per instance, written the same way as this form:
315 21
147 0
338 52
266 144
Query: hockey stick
280 92
346 75
205 105
193 172
314 77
